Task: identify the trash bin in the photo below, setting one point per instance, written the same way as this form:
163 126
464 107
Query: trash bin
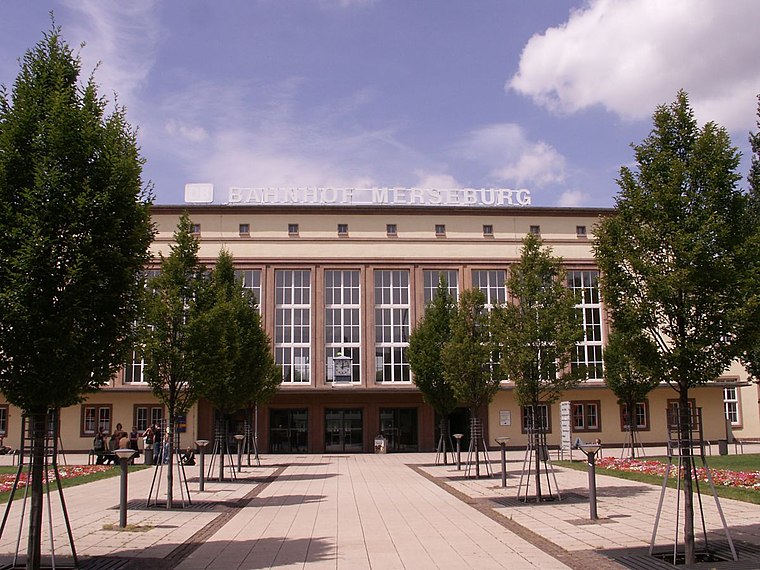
381 444
722 447
148 451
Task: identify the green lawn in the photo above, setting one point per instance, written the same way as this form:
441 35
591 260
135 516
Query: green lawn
5 471
749 462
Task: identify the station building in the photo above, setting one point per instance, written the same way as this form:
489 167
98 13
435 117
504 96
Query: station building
337 276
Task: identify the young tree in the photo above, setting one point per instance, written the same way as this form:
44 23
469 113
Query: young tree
537 335
467 358
672 259
74 233
425 348
233 360
171 308
750 335
628 376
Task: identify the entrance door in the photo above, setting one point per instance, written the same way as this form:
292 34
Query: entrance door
343 431
288 431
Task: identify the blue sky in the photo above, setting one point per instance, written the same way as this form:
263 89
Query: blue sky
544 94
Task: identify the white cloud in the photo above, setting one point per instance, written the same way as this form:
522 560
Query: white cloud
504 149
191 133
573 198
346 3
435 180
122 36
631 55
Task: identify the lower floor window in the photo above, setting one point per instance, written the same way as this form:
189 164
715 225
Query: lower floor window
731 404
3 420
147 415
95 417
586 416
638 419
540 419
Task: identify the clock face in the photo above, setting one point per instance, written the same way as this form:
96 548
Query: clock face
342 367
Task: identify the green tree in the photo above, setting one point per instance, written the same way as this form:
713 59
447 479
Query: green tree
750 335
425 348
467 358
537 335
171 309
231 352
628 376
672 259
74 233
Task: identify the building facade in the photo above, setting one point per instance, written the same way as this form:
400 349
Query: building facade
352 281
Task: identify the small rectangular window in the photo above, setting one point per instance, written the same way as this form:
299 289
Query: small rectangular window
390 229
3 420
342 229
541 422
639 418
95 416
488 230
580 231
535 230
731 405
197 229
244 229
585 416
440 230
293 229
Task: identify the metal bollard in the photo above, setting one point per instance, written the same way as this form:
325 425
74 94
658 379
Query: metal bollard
201 443
124 456
502 441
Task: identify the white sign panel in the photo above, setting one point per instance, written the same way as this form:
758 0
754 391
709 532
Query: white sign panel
565 427
199 193
505 418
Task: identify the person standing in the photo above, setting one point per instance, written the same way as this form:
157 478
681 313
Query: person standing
148 444
157 440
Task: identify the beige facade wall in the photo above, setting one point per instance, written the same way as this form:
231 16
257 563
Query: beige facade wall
611 431
269 246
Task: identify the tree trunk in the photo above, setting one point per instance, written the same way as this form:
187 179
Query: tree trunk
538 443
222 444
444 427
37 428
168 448
684 415
475 436
632 427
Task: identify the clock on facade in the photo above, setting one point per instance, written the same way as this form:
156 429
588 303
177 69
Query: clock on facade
342 367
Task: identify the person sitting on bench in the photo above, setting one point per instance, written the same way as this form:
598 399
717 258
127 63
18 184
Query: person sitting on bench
103 456
187 457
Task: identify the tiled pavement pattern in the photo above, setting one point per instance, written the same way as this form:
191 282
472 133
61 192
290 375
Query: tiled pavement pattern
369 511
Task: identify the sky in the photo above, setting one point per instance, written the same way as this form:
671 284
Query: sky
546 95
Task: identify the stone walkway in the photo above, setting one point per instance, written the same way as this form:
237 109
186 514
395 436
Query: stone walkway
369 511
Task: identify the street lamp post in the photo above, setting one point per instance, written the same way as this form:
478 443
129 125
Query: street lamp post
502 441
458 437
124 456
239 438
201 443
591 449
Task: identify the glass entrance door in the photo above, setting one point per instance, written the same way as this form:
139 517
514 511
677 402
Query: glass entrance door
343 431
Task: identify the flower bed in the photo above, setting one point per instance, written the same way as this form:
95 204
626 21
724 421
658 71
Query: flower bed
724 477
66 472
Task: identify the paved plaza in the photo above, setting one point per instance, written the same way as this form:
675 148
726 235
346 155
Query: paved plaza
373 511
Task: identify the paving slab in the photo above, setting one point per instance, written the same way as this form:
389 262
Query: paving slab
369 511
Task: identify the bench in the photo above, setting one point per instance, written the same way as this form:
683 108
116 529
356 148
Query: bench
107 457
